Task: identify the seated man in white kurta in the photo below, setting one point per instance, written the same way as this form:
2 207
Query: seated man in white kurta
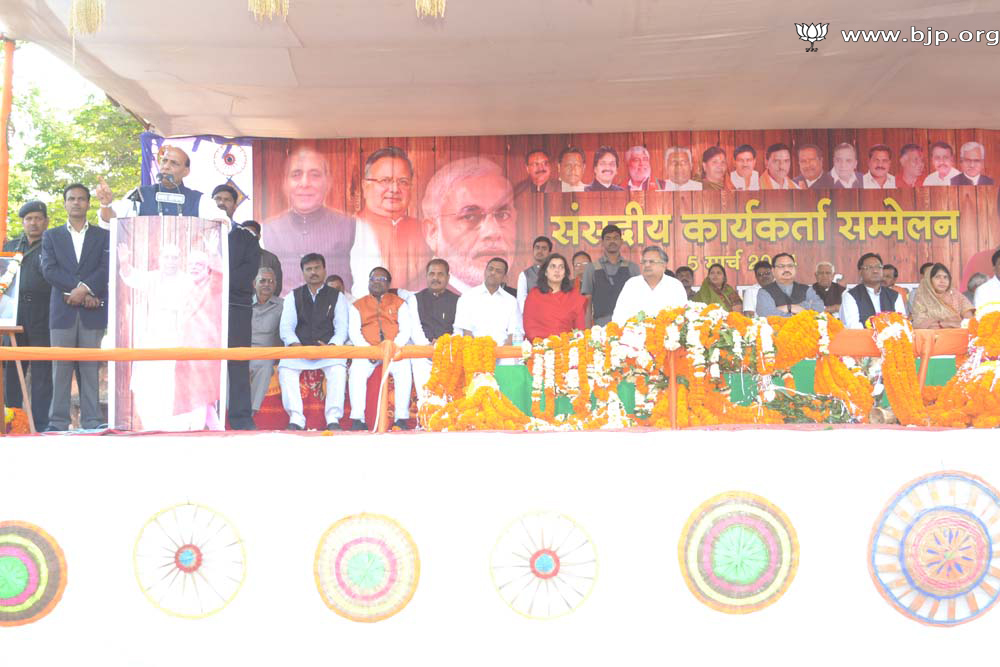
313 314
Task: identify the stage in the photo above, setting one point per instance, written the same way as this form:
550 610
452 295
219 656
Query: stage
455 493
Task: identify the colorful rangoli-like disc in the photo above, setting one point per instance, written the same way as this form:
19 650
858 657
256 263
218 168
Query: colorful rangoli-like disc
32 573
189 561
367 567
544 565
738 552
931 553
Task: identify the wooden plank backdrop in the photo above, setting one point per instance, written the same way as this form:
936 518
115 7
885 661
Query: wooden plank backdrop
978 228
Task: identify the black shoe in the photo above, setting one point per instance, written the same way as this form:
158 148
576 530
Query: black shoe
358 425
243 425
295 427
402 424
333 426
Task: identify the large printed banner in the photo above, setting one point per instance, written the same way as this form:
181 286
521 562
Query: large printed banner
169 288
732 197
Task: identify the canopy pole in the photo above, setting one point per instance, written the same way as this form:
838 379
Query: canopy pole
5 103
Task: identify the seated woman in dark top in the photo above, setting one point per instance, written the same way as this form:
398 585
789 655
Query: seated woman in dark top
553 307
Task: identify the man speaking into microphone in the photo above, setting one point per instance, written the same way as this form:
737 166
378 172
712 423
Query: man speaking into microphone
169 196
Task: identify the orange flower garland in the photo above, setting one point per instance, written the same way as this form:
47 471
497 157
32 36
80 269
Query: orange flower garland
834 378
16 420
894 337
972 396
706 342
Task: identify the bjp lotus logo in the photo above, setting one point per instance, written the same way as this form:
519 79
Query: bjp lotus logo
812 33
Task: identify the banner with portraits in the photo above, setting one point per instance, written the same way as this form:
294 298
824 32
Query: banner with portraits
727 197
169 287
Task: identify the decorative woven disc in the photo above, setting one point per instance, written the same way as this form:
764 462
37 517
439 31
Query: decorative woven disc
367 567
189 561
931 553
544 565
738 552
32 573
230 160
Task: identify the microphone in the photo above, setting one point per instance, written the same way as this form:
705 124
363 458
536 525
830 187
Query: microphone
176 198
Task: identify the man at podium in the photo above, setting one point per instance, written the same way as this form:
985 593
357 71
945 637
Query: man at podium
169 196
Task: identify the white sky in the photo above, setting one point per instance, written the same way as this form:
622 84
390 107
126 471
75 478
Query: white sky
60 85
61 88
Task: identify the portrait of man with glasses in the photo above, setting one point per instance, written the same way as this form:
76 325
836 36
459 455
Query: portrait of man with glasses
387 234
469 218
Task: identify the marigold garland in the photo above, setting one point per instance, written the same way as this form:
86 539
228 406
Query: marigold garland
894 337
705 342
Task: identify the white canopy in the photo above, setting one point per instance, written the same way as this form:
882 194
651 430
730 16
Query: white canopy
344 68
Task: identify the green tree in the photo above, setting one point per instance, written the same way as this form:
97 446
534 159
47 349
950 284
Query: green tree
98 139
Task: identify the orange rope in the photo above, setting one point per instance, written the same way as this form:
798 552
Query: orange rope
373 352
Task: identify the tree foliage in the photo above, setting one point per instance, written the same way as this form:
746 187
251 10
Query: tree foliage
95 140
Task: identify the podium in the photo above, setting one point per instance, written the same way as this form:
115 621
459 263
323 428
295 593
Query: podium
169 287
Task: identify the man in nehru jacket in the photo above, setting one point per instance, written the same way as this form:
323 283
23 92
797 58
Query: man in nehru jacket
379 316
785 297
313 314
830 292
75 260
174 166
869 296
32 315
434 308
264 332
603 280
